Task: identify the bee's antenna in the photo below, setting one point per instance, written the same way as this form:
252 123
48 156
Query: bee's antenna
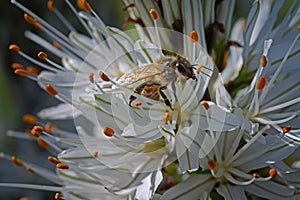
198 69
193 65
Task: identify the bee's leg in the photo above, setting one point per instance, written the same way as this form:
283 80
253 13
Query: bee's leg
138 90
174 90
163 95
131 99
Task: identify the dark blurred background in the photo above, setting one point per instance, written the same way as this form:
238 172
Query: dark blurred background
20 95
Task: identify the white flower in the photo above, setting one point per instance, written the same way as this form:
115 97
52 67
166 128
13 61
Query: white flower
139 147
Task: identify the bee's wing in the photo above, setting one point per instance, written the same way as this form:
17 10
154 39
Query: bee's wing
141 74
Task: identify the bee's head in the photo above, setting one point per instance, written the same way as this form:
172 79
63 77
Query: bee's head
183 68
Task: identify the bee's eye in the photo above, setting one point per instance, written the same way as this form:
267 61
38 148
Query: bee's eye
180 68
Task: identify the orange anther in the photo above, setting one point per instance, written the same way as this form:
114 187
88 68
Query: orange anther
32 70
34 133
17 161
38 128
198 68
91 77
95 153
205 104
103 76
84 5
30 119
211 164
298 27
255 175
30 20
109 132
24 198
14 47
53 160
194 36
21 72
138 103
42 55
58 196
272 172
62 166
261 83
56 44
286 129
263 60
42 143
166 118
50 5
16 66
48 127
51 90
153 14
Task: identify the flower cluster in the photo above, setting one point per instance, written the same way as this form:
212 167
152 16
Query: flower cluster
200 106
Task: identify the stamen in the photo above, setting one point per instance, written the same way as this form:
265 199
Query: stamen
58 196
42 55
205 104
166 118
138 103
14 47
95 153
53 160
84 5
194 36
17 161
56 44
272 172
255 175
30 20
194 39
286 129
198 68
51 90
29 119
261 83
42 143
34 133
276 74
49 126
21 72
103 76
109 132
91 77
211 164
41 21
24 198
32 70
154 14
38 128
50 5
16 66
263 60
62 166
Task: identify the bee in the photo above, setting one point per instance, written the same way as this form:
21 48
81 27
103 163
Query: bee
152 79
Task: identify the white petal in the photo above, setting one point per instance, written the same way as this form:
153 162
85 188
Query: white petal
231 192
269 190
191 188
61 111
